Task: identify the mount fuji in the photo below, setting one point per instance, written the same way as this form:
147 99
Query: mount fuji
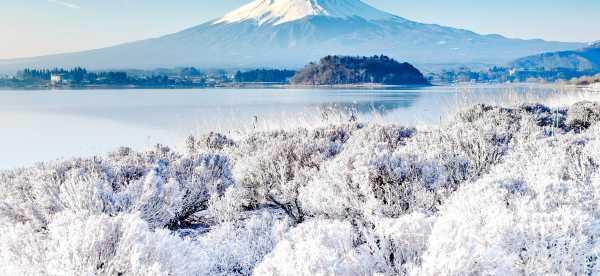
290 33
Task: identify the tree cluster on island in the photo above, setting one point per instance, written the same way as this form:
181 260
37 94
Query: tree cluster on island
264 76
341 70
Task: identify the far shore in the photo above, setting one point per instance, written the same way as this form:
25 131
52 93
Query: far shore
282 86
223 86
333 86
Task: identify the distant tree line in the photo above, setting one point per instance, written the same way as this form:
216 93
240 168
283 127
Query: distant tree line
587 80
82 77
264 75
76 74
333 70
504 74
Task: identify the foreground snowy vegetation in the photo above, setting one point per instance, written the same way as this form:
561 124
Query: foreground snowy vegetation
493 191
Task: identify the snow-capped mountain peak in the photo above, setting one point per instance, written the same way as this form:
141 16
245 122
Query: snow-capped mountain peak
277 12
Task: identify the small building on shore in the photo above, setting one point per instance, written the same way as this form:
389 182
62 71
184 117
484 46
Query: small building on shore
56 79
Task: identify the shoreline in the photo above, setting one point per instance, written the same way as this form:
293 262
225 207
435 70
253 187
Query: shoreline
231 86
246 86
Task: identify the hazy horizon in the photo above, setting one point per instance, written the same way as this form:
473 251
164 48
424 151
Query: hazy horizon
41 27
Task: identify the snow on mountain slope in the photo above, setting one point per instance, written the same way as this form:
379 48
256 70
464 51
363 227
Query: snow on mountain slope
277 12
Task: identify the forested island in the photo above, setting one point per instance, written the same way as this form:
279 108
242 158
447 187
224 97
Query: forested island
343 70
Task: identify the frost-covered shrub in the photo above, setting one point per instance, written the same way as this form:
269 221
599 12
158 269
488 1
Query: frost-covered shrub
493 191
211 141
236 247
403 182
320 247
401 242
394 171
582 115
83 244
583 160
36 194
484 141
166 191
525 217
333 247
22 250
544 116
273 167
345 186
103 245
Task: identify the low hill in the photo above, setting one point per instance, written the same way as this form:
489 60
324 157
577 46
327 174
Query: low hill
585 59
335 70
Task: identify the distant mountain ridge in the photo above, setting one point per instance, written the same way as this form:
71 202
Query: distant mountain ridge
585 59
290 33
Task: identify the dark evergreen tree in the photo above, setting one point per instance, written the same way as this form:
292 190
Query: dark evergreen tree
332 70
264 75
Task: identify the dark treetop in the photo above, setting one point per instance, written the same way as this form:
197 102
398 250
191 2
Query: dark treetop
264 75
336 70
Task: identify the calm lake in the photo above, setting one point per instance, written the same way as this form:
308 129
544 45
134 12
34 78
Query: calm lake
48 125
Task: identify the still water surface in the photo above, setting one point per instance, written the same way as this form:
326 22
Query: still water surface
47 125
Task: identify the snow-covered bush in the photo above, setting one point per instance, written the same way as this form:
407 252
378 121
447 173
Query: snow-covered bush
535 214
582 115
236 247
273 167
397 174
401 242
83 244
22 249
80 244
166 191
494 190
320 247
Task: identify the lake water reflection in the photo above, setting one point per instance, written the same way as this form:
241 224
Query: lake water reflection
46 125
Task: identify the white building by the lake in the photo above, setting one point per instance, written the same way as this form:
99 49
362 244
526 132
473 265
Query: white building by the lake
56 79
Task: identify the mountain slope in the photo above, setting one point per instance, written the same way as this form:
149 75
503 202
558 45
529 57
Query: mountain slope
290 33
586 59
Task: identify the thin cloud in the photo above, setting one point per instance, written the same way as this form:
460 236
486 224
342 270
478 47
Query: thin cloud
65 4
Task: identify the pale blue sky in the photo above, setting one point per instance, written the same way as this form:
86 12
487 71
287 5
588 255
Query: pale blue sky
37 27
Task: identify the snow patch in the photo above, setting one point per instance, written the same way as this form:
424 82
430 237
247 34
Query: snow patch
275 12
